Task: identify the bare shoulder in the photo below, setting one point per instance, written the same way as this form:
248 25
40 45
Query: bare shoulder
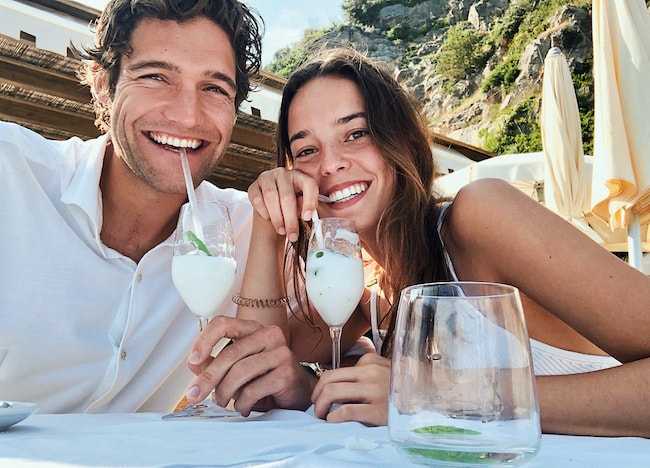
492 191
488 204
493 229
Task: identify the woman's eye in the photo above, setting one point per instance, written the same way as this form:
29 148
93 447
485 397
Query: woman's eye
357 134
305 152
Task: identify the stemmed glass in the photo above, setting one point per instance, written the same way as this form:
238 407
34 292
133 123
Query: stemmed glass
334 275
203 270
204 266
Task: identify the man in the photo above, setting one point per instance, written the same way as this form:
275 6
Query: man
88 310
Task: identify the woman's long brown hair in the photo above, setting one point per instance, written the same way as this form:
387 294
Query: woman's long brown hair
407 238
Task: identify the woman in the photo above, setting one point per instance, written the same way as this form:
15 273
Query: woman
347 130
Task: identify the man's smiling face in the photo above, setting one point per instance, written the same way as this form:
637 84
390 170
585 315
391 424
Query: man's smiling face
176 90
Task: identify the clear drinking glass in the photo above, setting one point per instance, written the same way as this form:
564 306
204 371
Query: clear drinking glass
462 386
334 273
204 265
203 271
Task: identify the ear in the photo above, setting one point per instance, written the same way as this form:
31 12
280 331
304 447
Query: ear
100 88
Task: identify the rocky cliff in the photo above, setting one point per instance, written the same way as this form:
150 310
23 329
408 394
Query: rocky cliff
476 66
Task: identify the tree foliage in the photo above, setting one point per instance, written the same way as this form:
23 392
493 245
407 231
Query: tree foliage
287 59
520 131
460 53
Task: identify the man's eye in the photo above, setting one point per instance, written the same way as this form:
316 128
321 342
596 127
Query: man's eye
218 89
152 76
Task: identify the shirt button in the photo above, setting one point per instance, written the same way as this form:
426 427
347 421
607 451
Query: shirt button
139 277
123 355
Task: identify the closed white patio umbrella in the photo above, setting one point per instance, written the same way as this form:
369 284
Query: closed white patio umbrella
565 184
621 175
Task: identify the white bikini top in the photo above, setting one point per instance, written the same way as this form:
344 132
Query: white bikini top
547 360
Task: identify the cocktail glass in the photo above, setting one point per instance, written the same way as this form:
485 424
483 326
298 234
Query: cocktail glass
203 271
334 275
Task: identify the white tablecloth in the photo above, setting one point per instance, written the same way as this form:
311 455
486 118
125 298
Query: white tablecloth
278 438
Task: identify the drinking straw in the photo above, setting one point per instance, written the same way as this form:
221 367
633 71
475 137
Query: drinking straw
318 228
191 195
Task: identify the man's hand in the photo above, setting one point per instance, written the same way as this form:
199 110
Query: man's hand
257 370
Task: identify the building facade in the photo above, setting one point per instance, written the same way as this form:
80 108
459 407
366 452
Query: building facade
39 88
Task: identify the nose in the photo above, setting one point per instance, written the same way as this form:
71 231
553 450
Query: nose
332 160
184 107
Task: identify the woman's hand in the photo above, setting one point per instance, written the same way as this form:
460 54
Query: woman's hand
283 196
362 391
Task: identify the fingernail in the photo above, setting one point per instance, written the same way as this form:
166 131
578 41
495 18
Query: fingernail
282 231
293 237
193 393
306 216
195 357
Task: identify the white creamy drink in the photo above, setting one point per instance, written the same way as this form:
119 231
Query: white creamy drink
203 281
334 284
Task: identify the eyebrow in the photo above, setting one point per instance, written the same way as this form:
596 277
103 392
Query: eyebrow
168 66
351 117
340 121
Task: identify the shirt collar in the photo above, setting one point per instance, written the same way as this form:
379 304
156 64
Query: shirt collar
83 190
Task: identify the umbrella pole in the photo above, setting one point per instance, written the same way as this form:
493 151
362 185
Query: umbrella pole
634 241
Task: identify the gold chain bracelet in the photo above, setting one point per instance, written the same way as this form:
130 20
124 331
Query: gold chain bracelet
260 303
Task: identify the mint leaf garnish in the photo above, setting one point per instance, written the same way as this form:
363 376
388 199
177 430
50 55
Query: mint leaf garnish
197 243
452 456
444 430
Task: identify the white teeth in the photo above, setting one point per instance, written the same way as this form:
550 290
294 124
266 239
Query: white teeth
348 192
175 142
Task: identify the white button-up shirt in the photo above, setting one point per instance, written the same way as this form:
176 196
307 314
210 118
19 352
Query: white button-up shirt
88 329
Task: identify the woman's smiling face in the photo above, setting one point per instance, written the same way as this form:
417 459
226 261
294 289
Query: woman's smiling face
329 138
